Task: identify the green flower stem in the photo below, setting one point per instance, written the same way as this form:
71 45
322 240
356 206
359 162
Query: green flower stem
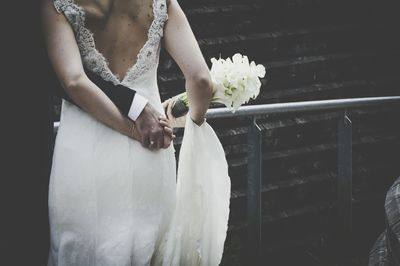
181 104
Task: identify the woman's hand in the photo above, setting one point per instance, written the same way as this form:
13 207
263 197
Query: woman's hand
154 135
173 121
168 136
168 132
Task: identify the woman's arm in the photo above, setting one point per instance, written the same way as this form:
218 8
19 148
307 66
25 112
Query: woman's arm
65 57
181 44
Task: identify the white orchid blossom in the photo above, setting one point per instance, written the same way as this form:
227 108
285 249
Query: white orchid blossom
235 81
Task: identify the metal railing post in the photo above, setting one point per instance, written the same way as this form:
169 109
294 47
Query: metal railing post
254 182
344 169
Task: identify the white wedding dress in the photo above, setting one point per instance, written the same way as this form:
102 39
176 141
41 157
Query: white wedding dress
113 202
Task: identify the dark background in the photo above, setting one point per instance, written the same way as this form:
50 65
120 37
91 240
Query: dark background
312 49
26 128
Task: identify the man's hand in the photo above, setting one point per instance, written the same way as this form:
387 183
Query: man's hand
154 129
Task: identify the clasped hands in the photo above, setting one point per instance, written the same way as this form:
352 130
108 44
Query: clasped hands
154 130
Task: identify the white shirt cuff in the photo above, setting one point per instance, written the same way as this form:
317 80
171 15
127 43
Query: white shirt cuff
137 106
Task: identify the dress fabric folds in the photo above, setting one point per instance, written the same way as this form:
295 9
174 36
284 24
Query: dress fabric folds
199 223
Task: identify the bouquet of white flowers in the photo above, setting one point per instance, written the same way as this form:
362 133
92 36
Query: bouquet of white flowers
235 82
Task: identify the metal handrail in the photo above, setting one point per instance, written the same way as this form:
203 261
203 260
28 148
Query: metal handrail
254 151
337 104
253 110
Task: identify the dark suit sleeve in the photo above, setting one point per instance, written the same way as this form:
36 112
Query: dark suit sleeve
120 95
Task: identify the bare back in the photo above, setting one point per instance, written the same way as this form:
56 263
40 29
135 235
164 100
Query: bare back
120 29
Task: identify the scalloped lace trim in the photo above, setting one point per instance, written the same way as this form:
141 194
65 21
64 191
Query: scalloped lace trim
95 61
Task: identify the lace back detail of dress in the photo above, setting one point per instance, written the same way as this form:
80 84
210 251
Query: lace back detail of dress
95 61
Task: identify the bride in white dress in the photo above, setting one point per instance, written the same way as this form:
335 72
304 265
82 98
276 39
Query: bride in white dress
111 198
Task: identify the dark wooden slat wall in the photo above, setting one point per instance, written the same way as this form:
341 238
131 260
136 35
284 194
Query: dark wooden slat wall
312 49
